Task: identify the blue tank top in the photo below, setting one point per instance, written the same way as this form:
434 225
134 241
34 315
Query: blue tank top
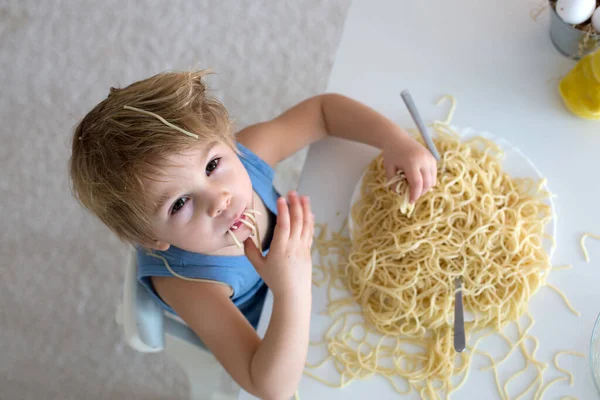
237 272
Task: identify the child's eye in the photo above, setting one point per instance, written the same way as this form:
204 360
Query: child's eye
212 165
178 205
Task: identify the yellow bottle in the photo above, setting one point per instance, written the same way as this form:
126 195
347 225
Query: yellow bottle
580 88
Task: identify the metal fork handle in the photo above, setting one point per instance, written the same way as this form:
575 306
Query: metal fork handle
459 318
412 109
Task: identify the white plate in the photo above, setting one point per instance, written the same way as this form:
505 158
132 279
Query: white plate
515 163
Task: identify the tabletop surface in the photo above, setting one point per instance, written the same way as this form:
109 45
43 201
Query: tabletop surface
503 70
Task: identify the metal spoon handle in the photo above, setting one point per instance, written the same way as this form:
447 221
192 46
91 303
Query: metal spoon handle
459 319
412 109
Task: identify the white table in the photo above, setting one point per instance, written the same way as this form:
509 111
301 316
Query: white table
503 69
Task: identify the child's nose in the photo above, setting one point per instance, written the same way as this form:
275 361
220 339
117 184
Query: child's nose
220 204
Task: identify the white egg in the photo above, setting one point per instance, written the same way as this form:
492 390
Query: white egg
575 11
596 20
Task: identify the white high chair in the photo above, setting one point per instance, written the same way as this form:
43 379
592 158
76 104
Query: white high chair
150 329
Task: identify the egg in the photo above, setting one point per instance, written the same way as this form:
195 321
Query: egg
575 11
596 20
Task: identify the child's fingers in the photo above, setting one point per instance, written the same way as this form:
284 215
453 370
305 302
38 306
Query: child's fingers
390 171
434 175
295 215
282 228
254 255
415 180
427 180
312 230
308 219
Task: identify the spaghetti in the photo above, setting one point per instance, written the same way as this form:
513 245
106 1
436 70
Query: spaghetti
479 224
559 368
582 243
250 214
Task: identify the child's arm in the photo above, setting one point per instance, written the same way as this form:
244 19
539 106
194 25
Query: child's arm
340 116
271 368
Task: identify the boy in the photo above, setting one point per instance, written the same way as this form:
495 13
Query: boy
158 163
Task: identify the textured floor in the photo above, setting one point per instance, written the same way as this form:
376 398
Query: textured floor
60 269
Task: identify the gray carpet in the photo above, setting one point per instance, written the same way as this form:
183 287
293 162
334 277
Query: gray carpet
61 270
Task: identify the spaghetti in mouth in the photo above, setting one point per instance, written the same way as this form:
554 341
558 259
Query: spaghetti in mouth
248 218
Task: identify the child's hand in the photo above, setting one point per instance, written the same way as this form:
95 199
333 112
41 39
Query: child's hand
402 153
287 268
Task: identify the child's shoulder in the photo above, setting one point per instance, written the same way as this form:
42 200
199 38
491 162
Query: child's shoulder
277 139
261 139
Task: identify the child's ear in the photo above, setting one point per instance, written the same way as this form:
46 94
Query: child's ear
157 245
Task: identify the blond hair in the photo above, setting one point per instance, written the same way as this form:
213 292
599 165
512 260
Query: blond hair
116 145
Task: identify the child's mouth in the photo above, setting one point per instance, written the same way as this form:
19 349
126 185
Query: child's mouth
236 225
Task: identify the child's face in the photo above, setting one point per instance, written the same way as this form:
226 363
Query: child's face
201 193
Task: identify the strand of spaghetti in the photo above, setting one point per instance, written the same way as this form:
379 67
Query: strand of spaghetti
514 345
164 260
251 211
527 361
235 239
319 364
396 388
468 363
530 358
568 373
249 225
550 237
538 380
257 232
343 227
450 112
552 382
496 379
323 381
564 297
324 279
403 190
562 267
164 121
582 243
516 375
